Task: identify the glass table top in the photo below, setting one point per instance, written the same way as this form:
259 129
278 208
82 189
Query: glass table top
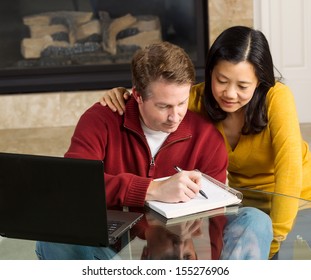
193 237
193 234
297 244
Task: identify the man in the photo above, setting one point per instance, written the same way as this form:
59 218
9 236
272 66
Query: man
156 133
157 116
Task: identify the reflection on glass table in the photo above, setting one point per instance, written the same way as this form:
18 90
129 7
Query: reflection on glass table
297 244
190 238
200 236
243 233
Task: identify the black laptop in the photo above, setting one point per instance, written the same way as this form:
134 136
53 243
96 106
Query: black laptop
59 200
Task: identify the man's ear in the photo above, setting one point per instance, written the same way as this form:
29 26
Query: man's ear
137 96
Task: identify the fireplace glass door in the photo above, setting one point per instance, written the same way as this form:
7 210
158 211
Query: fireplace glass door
58 45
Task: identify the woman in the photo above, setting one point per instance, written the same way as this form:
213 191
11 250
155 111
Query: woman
257 117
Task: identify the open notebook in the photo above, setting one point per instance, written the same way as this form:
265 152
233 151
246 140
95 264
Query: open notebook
59 200
219 196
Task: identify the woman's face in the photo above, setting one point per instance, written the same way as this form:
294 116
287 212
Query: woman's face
233 85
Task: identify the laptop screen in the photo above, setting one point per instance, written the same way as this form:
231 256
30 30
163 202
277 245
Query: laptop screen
53 199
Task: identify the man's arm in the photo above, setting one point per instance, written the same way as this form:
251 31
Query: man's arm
125 188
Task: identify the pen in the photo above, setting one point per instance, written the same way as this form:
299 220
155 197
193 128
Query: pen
178 169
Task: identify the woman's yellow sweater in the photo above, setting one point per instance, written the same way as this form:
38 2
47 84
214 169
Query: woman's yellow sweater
276 160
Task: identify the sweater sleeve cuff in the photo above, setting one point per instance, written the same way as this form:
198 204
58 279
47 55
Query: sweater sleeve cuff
137 192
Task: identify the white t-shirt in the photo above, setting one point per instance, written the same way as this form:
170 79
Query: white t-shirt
154 138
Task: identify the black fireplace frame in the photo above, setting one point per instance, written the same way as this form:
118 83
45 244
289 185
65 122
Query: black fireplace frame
92 77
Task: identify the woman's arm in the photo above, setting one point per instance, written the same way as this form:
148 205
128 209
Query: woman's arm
115 99
286 142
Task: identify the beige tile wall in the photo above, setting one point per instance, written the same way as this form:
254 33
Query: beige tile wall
226 13
44 110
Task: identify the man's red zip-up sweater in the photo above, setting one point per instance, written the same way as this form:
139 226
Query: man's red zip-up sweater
129 167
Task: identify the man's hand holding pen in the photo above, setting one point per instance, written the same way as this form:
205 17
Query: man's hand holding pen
180 187
178 169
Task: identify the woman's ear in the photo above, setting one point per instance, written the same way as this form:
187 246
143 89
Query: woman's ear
137 96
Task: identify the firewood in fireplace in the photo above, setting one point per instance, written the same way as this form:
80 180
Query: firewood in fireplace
69 34
141 39
71 20
77 49
148 32
93 38
61 36
131 31
87 29
32 47
38 31
45 18
111 31
143 23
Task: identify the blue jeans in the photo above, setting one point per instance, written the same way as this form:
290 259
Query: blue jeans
247 236
59 251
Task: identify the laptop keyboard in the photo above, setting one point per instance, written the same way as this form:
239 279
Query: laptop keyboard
113 226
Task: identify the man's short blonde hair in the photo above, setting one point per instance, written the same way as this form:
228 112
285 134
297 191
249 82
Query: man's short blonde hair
161 61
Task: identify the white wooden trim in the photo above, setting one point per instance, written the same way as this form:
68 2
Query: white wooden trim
287 26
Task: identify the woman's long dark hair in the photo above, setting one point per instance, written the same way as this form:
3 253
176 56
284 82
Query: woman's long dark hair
237 44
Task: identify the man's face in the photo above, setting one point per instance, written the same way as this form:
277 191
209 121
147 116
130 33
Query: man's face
166 107
164 245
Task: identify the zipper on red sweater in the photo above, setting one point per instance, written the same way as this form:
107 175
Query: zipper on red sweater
152 162
151 168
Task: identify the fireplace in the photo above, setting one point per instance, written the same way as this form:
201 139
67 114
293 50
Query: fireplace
66 45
